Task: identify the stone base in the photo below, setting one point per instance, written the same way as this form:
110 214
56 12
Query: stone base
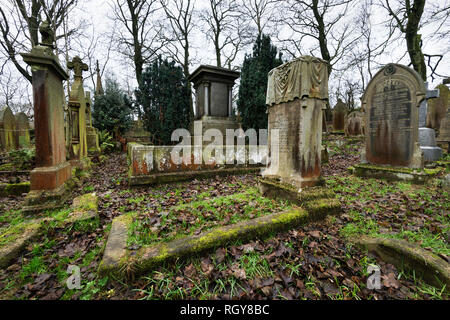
418 176
427 143
219 123
297 183
444 145
40 200
50 178
431 154
273 188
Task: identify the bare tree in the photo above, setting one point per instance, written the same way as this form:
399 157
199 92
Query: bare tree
321 21
260 12
138 34
19 26
227 30
409 18
180 14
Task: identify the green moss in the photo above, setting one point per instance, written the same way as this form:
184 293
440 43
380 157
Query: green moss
16 189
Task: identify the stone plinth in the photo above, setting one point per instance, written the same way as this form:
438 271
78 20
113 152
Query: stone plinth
297 94
391 109
428 145
52 169
214 97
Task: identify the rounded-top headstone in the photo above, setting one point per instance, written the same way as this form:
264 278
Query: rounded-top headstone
7 129
391 105
339 113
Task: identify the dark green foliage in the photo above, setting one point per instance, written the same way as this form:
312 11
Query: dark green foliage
252 91
112 110
164 97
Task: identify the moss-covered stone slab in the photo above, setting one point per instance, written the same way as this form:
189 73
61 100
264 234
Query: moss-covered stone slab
433 269
117 259
13 241
417 176
115 252
14 189
168 177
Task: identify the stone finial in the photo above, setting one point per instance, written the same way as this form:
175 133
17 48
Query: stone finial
77 66
47 34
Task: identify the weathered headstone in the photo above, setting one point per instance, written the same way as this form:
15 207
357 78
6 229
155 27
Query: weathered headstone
439 115
339 114
427 136
8 129
354 124
391 105
77 116
23 130
297 94
91 133
52 171
214 98
137 133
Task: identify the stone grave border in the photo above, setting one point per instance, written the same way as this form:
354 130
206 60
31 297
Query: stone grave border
416 176
84 207
433 269
119 262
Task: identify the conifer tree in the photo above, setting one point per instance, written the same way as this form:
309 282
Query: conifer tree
252 90
164 97
112 111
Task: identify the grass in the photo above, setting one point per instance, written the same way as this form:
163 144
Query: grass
188 218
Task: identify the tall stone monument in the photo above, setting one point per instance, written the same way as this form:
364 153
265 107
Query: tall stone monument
297 95
214 98
52 171
391 104
92 140
77 116
8 129
339 115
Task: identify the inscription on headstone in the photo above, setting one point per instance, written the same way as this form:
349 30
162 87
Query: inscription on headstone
391 102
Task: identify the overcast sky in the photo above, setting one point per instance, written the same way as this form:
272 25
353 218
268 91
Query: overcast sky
97 12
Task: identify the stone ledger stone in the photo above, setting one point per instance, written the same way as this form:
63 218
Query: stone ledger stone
295 126
52 169
391 107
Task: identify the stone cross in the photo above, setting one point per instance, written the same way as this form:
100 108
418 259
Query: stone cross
430 94
77 66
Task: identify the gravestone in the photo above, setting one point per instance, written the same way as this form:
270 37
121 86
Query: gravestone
391 108
439 115
339 114
8 129
297 95
137 133
214 98
23 130
77 116
354 124
52 171
92 140
427 136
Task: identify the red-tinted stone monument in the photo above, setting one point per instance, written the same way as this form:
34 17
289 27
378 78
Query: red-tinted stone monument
52 171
